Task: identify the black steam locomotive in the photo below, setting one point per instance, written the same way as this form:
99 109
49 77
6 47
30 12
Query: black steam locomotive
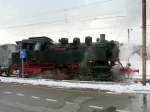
64 60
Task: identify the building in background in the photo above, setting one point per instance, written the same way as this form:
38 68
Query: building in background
5 54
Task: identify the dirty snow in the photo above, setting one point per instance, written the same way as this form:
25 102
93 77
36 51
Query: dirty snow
107 86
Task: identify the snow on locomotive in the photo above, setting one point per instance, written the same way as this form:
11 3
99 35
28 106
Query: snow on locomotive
63 60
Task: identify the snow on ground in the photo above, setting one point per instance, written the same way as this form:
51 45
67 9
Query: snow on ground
110 86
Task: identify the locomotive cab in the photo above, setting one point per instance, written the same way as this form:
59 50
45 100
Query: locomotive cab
35 43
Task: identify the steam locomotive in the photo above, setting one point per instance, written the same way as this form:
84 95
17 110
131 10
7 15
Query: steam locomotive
64 60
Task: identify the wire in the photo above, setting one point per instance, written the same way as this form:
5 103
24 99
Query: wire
64 10
75 7
62 20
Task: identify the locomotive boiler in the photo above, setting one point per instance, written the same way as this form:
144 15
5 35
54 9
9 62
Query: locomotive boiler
63 60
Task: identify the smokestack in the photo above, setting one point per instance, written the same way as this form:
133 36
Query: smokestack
102 38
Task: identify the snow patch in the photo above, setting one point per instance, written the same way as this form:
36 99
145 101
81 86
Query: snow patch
113 87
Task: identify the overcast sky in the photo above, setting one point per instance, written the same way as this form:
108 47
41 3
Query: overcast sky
20 19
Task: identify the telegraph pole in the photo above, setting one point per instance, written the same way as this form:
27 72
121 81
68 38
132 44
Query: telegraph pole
128 42
128 35
144 54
